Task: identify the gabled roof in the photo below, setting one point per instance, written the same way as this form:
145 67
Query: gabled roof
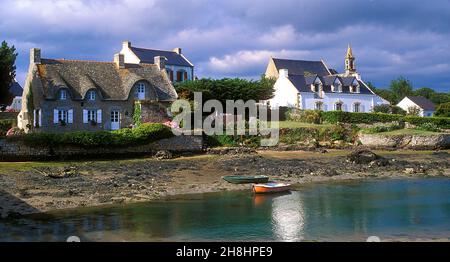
302 84
148 56
423 103
113 83
299 67
15 89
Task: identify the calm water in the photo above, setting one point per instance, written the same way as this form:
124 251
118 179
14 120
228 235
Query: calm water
394 209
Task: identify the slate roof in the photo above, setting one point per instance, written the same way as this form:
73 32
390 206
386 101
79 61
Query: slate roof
423 103
302 83
148 55
299 67
113 83
15 89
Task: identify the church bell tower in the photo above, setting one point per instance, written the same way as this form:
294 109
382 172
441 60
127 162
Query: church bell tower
350 68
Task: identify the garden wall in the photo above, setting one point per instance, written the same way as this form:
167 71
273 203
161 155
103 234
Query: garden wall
18 151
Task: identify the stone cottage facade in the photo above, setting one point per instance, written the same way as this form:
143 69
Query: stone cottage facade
74 95
312 85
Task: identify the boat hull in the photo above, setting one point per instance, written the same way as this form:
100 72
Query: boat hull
265 189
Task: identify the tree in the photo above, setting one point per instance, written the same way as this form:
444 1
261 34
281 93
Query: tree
400 88
425 92
440 98
227 89
443 110
8 57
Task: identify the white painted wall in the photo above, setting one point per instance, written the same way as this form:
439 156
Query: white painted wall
407 103
285 93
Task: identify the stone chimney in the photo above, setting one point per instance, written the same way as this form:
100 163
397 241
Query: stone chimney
35 56
160 61
284 73
177 50
126 44
119 60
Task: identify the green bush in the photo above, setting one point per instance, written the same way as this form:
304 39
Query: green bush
145 133
441 122
380 129
443 110
389 109
233 140
305 116
432 127
5 125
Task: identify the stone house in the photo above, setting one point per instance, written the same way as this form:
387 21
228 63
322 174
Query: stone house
312 85
74 95
425 107
178 67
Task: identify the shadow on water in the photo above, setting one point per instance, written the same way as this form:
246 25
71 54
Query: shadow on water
341 211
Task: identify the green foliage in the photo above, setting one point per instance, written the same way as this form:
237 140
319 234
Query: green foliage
227 89
305 116
400 88
432 127
5 125
389 109
8 57
357 118
233 140
380 129
441 122
137 113
145 133
443 110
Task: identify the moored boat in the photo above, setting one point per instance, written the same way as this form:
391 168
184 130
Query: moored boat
246 179
272 187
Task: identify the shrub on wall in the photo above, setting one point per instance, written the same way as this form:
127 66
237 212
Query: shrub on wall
145 133
5 125
441 122
306 116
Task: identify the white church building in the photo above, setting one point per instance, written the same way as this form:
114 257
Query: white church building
312 85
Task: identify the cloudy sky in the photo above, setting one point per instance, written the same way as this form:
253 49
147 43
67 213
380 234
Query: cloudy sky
235 38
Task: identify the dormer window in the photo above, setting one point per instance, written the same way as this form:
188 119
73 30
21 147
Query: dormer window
63 94
91 95
141 91
354 88
337 86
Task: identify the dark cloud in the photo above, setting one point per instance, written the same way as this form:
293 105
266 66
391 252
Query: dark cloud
236 38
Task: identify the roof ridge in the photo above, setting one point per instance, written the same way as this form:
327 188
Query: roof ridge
155 49
79 60
297 60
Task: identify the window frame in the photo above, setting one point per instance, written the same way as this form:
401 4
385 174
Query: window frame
91 95
357 105
341 105
63 115
62 94
89 116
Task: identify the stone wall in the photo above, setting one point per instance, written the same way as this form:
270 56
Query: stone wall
17 150
438 141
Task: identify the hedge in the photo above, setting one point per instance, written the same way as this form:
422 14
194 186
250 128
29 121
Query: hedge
145 133
334 117
358 118
5 125
441 122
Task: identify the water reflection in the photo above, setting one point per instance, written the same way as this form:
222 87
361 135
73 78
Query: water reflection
320 212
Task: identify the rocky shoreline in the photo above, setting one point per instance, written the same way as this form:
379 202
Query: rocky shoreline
33 187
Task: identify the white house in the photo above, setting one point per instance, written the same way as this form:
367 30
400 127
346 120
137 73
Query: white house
178 67
16 90
312 85
425 106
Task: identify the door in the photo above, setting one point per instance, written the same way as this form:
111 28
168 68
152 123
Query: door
115 120
141 91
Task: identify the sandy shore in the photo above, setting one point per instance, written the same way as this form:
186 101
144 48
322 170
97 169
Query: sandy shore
27 187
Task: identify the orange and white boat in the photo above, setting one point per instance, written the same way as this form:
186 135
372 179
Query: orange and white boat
271 187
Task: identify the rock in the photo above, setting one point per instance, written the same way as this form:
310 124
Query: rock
163 154
362 157
379 162
409 170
